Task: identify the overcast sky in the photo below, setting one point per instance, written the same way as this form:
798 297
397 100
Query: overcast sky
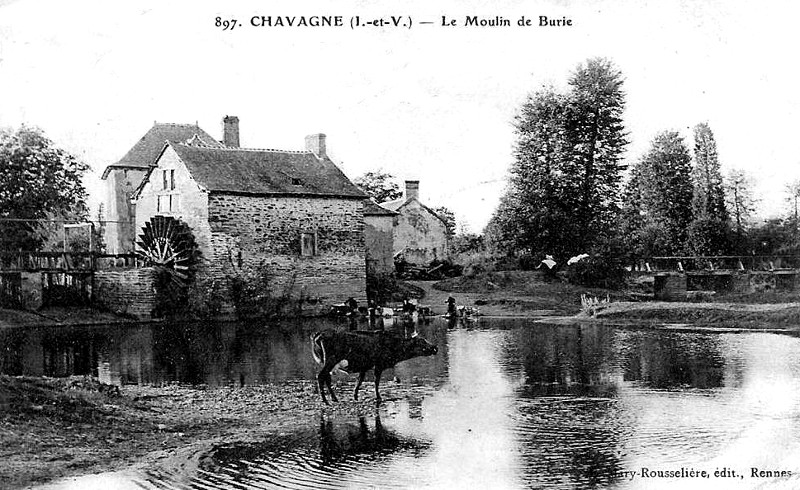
430 103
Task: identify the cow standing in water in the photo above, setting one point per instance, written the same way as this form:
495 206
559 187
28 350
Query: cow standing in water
358 352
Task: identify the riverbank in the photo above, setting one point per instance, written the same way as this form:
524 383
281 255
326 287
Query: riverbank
718 314
529 294
55 316
56 428
508 294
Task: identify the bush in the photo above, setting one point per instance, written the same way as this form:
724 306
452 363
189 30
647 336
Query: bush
208 297
605 266
252 292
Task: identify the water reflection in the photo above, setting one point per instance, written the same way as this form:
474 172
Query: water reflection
506 404
576 360
338 454
672 360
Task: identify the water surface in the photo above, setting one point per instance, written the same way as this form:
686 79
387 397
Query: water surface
505 404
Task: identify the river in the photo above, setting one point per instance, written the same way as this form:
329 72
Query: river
504 404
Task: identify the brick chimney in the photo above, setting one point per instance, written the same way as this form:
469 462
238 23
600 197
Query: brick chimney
315 143
230 131
412 189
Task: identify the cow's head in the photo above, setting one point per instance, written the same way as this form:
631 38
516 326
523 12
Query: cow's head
417 346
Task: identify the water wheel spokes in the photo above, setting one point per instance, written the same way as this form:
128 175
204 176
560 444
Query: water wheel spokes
168 243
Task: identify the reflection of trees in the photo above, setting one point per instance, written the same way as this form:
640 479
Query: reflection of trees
666 360
11 353
216 354
569 431
575 360
568 442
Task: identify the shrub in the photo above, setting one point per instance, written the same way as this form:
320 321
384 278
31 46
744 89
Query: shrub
209 296
253 292
605 266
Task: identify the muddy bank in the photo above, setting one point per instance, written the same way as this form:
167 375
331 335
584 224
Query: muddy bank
509 293
54 316
55 428
529 294
729 315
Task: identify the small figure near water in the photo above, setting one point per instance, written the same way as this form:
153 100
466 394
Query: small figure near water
451 308
352 305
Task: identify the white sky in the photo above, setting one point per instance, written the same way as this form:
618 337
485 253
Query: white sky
430 102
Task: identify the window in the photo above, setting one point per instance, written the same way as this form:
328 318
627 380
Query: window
168 180
168 203
296 181
308 244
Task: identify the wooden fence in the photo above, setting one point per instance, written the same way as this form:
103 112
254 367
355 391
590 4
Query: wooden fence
62 278
692 263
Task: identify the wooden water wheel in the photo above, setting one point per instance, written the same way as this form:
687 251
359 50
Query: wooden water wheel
168 243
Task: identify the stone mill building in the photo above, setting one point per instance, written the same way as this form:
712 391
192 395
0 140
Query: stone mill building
291 213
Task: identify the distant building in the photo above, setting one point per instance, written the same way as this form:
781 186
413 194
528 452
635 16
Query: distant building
419 234
293 212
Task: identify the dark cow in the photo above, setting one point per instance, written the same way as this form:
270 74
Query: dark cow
360 351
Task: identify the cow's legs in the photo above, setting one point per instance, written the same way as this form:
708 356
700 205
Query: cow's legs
322 378
377 383
330 388
325 378
358 384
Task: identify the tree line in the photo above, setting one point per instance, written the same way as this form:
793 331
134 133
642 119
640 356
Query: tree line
570 192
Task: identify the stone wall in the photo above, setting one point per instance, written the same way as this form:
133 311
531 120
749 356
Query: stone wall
190 202
119 232
250 232
379 243
127 291
670 287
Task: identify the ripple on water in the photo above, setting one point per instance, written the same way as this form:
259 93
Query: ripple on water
336 455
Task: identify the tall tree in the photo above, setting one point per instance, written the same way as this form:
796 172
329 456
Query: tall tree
597 137
660 197
739 199
793 220
709 231
564 183
709 193
449 218
38 181
379 185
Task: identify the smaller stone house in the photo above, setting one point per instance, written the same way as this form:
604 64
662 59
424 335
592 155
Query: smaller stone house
293 213
419 234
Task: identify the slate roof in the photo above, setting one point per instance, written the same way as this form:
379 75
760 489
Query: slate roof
394 206
371 208
265 172
149 147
